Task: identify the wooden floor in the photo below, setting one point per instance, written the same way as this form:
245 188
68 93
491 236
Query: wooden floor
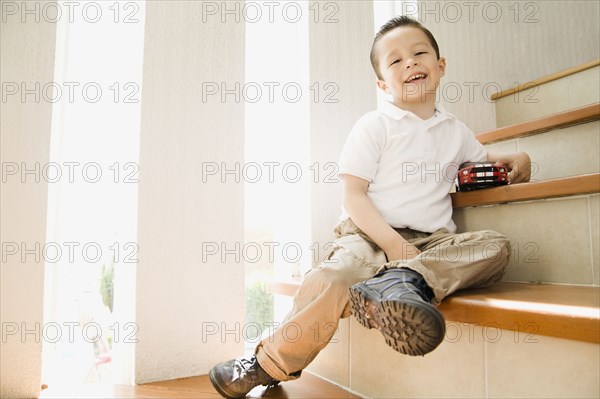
306 387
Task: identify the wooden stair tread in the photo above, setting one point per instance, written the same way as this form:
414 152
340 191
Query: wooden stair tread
309 386
571 117
565 311
565 186
571 312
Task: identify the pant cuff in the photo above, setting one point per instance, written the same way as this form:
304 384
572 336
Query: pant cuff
270 367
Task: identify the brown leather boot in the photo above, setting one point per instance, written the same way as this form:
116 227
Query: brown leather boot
235 378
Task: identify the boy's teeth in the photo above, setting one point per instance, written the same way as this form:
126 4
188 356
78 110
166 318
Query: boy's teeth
415 77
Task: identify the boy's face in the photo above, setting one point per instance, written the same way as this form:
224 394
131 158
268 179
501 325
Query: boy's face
409 67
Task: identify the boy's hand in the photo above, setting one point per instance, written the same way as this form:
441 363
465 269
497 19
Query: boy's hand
519 165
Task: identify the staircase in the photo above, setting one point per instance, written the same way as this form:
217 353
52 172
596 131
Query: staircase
536 333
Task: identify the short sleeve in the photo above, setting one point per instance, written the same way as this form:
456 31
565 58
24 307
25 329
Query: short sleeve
362 150
473 150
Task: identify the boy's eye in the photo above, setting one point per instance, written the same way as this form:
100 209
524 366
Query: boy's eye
395 62
420 52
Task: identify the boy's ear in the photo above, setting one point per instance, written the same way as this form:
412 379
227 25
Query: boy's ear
382 85
442 66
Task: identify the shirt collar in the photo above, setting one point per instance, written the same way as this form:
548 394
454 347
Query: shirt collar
394 112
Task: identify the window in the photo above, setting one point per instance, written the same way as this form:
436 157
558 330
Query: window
92 202
277 188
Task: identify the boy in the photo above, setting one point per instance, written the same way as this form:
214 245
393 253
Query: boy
396 254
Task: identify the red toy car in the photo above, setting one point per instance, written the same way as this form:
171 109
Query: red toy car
477 175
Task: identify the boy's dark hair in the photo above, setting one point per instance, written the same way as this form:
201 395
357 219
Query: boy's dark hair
394 23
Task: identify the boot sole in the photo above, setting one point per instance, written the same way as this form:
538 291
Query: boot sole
409 326
221 390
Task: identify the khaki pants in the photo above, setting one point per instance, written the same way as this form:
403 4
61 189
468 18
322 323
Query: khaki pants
448 262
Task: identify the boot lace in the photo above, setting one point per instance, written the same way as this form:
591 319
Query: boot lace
249 369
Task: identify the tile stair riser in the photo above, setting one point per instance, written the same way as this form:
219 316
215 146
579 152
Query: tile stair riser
558 95
551 240
475 360
558 153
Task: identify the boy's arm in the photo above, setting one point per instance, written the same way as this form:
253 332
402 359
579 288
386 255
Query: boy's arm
364 214
518 163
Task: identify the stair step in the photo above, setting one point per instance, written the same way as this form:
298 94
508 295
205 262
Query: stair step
546 79
570 312
574 150
563 311
566 186
566 90
563 119
472 362
551 240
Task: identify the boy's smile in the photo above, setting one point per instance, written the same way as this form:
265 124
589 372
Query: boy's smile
410 69
416 77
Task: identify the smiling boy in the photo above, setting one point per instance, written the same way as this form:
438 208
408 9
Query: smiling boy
408 66
396 255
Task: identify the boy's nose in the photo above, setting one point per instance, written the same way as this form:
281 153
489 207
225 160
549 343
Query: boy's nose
411 63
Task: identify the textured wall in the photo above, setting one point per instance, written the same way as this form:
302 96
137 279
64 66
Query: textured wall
179 292
27 57
491 44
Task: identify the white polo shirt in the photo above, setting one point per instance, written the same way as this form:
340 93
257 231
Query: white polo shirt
410 164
